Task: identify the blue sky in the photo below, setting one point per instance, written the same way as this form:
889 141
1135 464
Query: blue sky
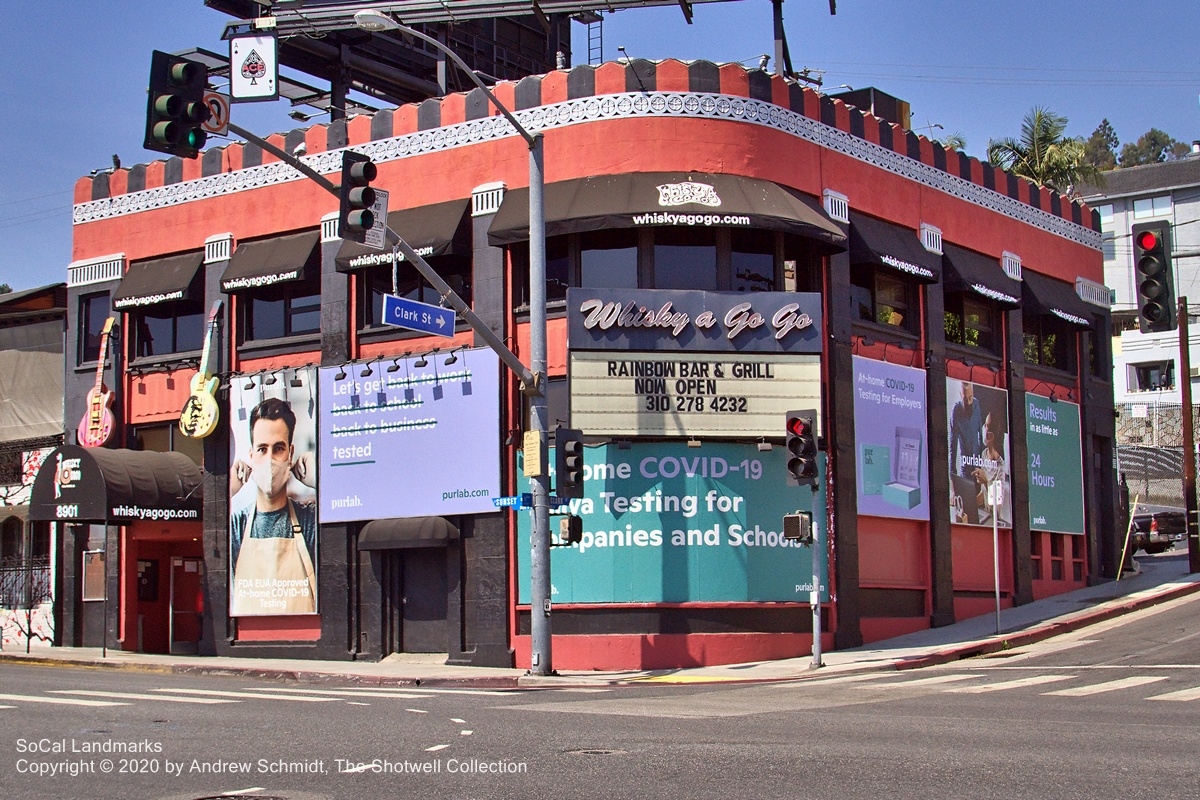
75 73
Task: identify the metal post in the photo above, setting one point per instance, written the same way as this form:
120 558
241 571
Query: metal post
994 490
1189 438
541 662
814 597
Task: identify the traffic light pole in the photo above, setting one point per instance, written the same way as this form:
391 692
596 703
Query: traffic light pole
814 599
1189 439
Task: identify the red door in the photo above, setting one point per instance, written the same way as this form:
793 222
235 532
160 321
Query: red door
187 604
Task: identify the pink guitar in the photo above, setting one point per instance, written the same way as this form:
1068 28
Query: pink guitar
97 425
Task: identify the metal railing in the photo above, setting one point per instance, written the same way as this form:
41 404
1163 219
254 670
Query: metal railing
25 583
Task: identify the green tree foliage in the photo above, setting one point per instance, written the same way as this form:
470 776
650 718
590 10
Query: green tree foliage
1043 154
1152 147
1100 150
5 288
954 141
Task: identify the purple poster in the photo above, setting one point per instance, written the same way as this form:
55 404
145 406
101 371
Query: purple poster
890 440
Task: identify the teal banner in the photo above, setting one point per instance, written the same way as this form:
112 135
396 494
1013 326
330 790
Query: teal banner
1055 465
668 523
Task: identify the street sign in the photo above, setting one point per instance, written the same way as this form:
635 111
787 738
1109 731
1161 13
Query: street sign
218 113
376 237
424 317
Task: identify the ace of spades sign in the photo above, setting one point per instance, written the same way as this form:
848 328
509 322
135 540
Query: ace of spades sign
253 67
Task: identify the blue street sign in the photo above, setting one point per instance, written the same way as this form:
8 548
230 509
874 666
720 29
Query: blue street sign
416 316
512 501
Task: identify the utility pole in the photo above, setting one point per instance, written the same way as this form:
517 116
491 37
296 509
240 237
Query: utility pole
1189 439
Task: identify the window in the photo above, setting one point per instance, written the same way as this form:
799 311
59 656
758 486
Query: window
1108 245
24 565
752 260
1151 207
608 260
168 439
971 322
558 270
1106 216
93 311
285 309
880 296
1152 377
377 282
685 259
168 328
10 466
1050 342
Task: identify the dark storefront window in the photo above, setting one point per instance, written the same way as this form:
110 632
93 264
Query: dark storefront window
685 259
377 282
882 297
168 328
285 309
608 260
752 261
94 309
1050 343
558 270
168 439
971 322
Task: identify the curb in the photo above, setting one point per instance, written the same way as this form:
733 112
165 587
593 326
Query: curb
1033 635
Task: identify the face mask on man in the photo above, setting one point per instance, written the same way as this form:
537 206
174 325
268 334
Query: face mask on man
271 476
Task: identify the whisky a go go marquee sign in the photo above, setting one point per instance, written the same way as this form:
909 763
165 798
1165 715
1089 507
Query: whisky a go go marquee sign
691 363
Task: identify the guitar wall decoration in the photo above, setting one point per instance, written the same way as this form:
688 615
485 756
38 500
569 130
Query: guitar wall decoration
201 413
98 423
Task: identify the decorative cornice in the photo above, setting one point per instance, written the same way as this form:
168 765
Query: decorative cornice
591 109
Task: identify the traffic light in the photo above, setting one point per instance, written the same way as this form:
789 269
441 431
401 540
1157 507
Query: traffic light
568 462
797 527
570 530
355 217
802 448
175 109
1156 288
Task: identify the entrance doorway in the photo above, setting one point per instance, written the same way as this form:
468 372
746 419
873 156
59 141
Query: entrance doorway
413 583
187 605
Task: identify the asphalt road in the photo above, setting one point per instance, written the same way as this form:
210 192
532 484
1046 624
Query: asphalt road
1112 711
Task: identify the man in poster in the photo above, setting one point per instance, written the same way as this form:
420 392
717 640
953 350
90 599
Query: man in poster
273 538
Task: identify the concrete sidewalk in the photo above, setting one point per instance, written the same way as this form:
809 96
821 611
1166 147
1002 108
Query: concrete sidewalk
1158 580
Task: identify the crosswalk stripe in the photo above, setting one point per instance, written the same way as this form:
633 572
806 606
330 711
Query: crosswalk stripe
7 706
935 680
343 693
136 696
258 695
1016 684
1107 686
59 701
1181 695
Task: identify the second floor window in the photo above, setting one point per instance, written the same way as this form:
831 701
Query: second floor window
285 309
168 328
94 309
882 297
1050 342
971 322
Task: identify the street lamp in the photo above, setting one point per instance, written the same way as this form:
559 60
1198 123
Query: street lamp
539 612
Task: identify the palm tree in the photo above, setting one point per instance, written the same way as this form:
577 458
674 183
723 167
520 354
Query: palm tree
1043 154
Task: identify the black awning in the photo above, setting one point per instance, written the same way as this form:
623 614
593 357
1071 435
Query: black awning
968 271
270 261
388 534
873 241
434 230
93 484
682 199
1044 295
161 280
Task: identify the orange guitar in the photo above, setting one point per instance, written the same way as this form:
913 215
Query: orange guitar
201 412
97 425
